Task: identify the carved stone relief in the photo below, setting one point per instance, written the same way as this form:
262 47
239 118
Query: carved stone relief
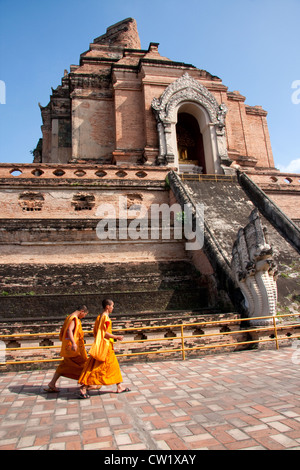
83 201
31 201
255 270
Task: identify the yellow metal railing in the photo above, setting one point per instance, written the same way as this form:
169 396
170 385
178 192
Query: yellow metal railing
206 177
272 328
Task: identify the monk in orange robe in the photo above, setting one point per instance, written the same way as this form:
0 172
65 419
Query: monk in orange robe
102 367
72 349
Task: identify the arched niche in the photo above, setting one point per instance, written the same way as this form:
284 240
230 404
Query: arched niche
186 95
190 145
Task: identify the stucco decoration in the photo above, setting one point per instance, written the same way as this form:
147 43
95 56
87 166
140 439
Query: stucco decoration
188 90
255 270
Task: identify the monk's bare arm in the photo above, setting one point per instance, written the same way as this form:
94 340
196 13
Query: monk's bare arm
116 337
70 335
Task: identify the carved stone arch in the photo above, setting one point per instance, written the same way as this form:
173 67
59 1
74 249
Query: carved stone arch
186 90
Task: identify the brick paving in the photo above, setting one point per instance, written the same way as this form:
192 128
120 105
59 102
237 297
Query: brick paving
241 400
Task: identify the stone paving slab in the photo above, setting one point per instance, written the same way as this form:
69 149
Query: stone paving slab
242 400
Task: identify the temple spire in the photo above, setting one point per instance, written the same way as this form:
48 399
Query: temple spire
124 34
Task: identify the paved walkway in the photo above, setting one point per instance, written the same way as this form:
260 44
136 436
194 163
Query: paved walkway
242 400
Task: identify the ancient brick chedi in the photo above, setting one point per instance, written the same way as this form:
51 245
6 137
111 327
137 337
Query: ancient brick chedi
103 111
131 129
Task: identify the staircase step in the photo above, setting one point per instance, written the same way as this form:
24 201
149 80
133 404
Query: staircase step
136 320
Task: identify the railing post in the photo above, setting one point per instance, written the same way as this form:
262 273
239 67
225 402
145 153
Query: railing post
275 331
182 343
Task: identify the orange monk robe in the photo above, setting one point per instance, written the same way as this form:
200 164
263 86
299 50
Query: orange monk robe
106 372
73 361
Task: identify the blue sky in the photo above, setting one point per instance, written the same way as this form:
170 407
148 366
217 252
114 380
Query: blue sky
252 45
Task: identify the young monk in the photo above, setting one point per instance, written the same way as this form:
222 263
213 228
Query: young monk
72 349
105 371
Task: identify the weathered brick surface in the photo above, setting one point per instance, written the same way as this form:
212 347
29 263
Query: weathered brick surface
93 133
282 188
44 290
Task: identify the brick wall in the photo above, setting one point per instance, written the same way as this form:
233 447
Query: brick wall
282 188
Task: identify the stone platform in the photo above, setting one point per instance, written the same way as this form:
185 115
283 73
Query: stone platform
242 400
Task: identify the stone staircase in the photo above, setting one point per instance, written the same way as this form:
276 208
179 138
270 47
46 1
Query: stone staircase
227 207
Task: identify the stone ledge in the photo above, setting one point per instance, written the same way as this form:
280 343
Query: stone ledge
80 172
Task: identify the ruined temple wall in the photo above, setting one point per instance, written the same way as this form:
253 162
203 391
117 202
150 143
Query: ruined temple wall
93 130
94 252
61 203
282 188
52 221
129 112
288 203
257 137
234 129
112 120
248 139
151 89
